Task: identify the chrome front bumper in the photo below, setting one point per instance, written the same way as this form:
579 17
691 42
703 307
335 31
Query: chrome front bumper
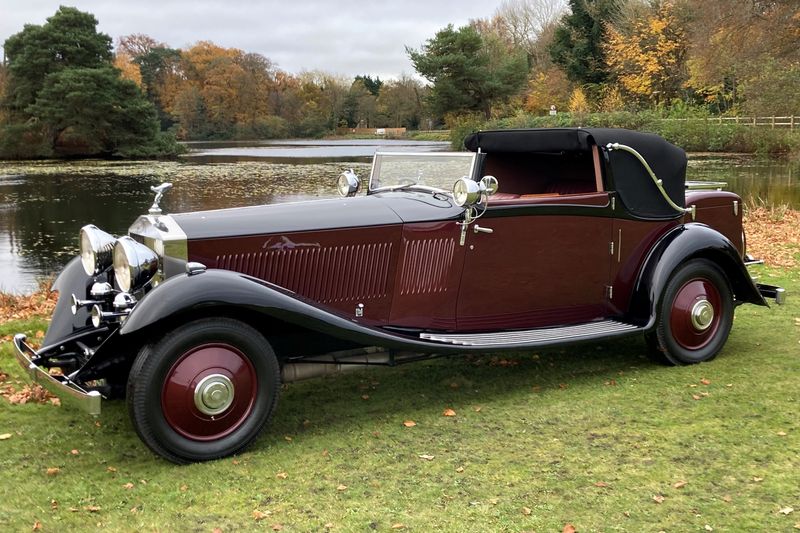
88 401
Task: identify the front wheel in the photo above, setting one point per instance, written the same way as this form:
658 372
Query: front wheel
204 391
694 316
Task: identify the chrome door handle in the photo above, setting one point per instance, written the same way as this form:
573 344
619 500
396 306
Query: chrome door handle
479 229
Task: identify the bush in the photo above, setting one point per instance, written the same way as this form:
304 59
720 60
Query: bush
21 141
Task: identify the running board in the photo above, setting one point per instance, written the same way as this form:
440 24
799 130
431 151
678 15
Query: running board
591 330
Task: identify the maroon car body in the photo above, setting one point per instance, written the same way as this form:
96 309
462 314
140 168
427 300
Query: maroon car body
591 235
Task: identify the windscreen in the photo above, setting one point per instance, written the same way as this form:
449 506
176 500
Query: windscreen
437 170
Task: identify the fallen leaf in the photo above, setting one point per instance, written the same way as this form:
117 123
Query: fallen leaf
92 508
786 511
727 498
568 528
426 457
705 381
287 438
127 486
281 475
111 469
409 423
398 526
781 433
365 396
658 498
216 530
679 484
708 528
329 525
478 409
341 488
494 501
53 505
601 484
184 488
235 462
53 471
757 479
325 453
460 469
39 334
258 515
5 436
37 526
277 527
449 412
696 397
526 511
75 452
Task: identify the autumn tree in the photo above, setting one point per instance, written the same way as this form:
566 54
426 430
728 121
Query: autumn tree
648 59
464 78
400 103
736 43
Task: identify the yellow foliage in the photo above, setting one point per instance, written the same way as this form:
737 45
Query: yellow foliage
648 62
578 103
546 88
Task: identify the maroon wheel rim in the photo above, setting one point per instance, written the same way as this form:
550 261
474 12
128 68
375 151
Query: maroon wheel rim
696 314
209 392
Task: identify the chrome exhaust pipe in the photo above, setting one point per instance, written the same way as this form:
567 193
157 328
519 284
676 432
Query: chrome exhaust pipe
335 364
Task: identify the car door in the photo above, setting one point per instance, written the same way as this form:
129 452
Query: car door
545 263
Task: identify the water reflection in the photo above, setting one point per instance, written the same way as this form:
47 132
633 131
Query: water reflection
44 204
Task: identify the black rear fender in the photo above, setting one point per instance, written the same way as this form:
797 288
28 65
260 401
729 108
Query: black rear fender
686 242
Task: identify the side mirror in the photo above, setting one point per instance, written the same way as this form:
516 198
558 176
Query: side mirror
467 192
348 183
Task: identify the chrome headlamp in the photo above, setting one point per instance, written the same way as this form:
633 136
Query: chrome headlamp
468 192
134 264
96 247
348 183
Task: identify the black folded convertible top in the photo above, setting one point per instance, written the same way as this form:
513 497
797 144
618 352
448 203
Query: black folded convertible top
629 177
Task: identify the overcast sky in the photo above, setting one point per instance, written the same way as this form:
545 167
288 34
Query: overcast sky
347 37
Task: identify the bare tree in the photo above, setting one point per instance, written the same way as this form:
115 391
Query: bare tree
528 23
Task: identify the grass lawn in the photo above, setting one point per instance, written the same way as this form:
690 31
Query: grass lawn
595 436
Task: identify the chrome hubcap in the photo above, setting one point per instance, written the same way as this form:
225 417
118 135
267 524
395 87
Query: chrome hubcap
214 394
702 315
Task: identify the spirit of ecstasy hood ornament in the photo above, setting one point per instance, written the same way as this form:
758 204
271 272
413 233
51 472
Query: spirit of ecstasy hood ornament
155 210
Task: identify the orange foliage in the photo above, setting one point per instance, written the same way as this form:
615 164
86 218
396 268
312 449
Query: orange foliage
129 69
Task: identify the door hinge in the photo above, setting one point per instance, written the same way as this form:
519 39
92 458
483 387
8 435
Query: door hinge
609 292
611 247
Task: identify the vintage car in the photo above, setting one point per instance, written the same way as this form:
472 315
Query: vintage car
532 238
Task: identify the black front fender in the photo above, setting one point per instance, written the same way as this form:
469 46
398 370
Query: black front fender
185 294
72 280
683 243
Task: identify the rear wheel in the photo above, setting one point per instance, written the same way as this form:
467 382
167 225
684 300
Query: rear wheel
694 316
204 391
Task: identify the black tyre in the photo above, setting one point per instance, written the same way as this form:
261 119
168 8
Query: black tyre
694 316
204 391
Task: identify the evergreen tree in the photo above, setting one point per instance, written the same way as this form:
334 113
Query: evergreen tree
464 79
63 90
577 45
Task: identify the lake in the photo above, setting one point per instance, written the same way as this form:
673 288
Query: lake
43 204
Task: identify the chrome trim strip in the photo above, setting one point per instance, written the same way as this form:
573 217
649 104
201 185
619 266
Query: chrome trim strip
89 401
533 335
